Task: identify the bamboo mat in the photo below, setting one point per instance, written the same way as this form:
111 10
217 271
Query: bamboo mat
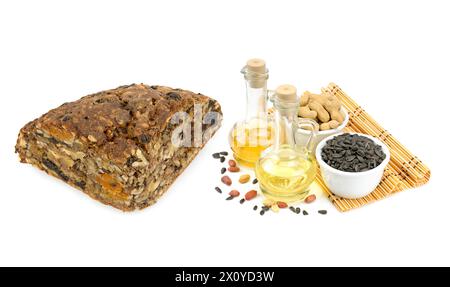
404 170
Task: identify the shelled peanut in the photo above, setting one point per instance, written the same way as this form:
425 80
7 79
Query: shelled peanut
323 108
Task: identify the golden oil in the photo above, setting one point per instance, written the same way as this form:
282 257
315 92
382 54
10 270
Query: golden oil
285 175
286 170
249 139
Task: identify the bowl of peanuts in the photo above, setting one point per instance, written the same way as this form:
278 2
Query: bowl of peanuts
327 111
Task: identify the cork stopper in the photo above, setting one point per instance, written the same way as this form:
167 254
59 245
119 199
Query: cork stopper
286 93
256 66
256 73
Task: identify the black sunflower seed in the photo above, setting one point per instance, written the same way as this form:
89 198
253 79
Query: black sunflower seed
350 158
352 153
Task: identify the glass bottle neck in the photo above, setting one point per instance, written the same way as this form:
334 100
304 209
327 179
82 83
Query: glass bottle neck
285 115
256 99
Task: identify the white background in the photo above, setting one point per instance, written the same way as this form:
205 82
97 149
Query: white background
392 57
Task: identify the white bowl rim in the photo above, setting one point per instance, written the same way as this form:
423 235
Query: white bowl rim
332 131
382 165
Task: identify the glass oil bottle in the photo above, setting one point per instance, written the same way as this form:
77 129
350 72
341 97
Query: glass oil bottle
285 171
250 137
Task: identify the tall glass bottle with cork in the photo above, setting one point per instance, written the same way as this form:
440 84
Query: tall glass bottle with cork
250 137
286 170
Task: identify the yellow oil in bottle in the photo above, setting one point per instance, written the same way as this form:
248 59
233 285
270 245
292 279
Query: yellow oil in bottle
249 139
286 170
286 175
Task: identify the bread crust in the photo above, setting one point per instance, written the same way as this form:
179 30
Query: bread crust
115 145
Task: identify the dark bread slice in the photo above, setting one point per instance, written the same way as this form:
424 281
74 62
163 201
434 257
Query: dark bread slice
121 146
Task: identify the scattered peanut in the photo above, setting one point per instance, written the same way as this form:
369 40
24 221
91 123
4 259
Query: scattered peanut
310 198
232 163
226 180
282 204
234 193
244 178
251 194
234 169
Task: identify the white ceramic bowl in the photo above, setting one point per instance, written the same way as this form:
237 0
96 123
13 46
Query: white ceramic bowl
302 135
351 184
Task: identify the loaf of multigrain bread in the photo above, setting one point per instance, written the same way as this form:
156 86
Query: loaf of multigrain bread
125 146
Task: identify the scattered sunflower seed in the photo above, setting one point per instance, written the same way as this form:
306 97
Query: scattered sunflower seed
223 170
229 197
216 155
223 153
255 181
322 211
218 189
297 210
242 200
222 159
305 212
255 207
262 212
